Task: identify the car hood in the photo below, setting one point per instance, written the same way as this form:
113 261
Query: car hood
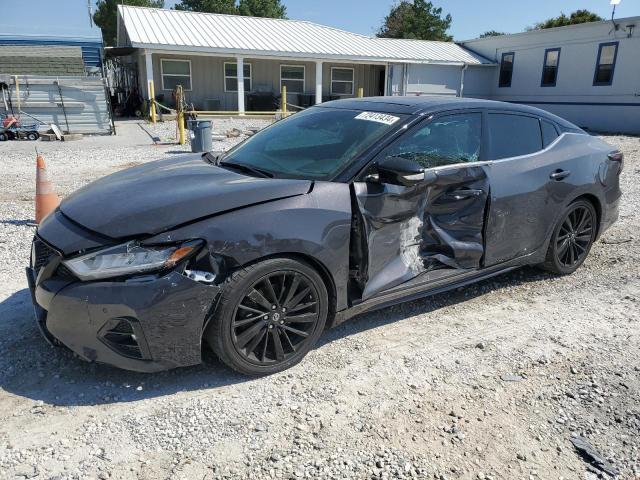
157 196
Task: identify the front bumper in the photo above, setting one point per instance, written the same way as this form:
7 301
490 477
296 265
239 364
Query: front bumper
147 324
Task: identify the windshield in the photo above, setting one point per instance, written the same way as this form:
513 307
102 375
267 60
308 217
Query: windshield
316 143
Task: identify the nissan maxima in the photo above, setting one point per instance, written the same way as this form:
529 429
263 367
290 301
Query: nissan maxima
345 207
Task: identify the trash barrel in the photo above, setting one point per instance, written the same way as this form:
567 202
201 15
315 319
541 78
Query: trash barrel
200 135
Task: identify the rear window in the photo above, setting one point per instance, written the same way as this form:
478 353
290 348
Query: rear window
513 135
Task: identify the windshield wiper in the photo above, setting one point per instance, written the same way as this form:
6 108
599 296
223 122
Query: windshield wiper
247 168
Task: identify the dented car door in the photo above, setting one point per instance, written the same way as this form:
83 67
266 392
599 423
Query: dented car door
436 224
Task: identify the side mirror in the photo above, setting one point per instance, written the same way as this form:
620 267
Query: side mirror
400 171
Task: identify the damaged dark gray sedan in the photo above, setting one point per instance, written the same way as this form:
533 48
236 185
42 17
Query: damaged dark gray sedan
345 207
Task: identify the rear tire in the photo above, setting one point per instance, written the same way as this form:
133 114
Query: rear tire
572 238
269 316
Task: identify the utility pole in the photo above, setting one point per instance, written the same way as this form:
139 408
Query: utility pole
90 10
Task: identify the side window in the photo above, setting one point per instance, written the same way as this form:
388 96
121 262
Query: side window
444 141
549 133
506 69
513 135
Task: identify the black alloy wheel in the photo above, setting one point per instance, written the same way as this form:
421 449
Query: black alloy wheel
275 318
269 316
572 238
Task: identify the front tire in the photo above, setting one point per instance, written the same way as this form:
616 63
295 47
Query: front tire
572 238
269 317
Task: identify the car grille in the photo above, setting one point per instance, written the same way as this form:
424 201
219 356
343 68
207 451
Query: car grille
41 253
64 273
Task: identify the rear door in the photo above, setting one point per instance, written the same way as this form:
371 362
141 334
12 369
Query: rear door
435 225
531 177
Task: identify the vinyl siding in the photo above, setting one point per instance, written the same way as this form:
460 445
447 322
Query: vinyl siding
610 108
84 98
207 78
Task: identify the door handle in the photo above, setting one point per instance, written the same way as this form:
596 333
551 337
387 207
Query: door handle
559 174
463 193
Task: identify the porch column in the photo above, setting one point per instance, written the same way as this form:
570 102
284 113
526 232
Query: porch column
240 71
461 90
318 82
149 69
386 80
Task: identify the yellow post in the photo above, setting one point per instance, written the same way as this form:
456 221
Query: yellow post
152 101
360 92
283 101
180 118
15 79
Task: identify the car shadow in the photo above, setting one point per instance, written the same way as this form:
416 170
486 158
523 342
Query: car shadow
31 368
391 314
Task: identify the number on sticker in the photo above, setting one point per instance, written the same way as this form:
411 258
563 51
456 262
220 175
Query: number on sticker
378 117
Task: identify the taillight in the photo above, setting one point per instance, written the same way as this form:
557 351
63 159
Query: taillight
617 156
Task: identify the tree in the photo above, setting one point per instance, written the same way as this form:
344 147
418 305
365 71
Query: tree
208 6
579 16
492 33
416 19
105 16
262 8
252 8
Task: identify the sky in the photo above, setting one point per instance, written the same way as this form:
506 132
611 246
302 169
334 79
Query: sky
470 17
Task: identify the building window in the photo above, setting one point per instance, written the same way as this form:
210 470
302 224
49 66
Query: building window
292 76
174 73
341 81
550 67
506 69
231 77
606 63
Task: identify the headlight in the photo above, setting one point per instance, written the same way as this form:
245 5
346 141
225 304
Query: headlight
129 258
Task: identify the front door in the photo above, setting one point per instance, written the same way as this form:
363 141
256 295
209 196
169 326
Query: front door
436 225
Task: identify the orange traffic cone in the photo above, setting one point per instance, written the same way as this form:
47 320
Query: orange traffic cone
46 198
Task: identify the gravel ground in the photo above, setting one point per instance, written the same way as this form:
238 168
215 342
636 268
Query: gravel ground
490 381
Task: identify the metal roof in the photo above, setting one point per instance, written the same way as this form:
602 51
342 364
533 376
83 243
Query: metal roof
431 103
41 60
622 22
91 45
93 36
164 29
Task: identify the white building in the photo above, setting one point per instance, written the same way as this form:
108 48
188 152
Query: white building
203 52
587 73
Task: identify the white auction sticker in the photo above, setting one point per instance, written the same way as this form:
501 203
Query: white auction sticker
378 117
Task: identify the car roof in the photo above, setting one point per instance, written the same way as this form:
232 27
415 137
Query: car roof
425 104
